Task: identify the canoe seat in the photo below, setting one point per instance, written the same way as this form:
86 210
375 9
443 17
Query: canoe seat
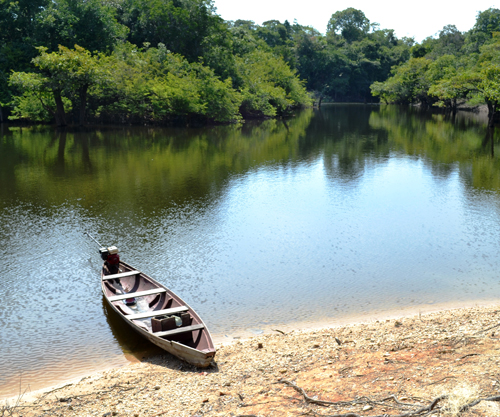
121 275
136 294
156 313
180 330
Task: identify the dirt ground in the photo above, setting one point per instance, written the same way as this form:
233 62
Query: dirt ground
439 364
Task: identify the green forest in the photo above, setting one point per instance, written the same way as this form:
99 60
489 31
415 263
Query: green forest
179 62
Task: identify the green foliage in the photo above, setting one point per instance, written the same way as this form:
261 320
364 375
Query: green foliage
269 87
319 66
153 85
448 79
408 84
92 24
351 24
36 101
279 37
195 66
183 26
68 69
16 19
222 101
344 71
157 86
332 66
16 39
449 42
35 107
66 73
419 50
243 38
488 21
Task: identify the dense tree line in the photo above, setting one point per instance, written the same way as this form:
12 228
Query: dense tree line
453 69
144 61
178 61
156 61
338 66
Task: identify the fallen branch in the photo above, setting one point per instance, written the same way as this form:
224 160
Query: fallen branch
420 412
45 394
489 328
470 354
476 402
439 380
66 399
310 399
262 403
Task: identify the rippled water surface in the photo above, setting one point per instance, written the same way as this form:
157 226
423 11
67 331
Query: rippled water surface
347 211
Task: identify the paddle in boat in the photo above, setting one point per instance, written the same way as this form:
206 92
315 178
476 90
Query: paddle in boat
154 311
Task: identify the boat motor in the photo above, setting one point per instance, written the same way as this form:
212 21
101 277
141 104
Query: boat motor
109 255
105 252
111 258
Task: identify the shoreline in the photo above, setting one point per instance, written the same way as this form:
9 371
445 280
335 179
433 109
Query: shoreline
240 354
221 340
354 319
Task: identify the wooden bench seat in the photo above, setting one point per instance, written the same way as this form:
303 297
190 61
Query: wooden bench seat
136 294
122 275
156 313
180 330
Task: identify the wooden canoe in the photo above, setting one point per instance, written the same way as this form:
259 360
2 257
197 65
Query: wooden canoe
158 314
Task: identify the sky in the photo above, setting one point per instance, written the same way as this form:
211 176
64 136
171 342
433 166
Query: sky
418 19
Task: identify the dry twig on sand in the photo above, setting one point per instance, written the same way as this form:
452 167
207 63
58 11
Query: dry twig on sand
418 409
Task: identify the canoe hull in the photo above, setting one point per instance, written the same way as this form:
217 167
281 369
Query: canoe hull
192 356
194 347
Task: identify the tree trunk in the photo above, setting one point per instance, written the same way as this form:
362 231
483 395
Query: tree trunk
83 103
60 113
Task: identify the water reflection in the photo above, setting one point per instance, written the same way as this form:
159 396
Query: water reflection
133 346
349 210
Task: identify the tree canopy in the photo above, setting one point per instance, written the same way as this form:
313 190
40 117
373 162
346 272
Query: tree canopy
453 69
351 24
178 61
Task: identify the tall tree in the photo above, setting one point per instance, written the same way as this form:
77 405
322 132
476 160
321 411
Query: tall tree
487 23
92 24
62 73
409 84
17 35
181 25
351 24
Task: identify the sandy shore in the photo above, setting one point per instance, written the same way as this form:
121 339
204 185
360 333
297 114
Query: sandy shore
433 363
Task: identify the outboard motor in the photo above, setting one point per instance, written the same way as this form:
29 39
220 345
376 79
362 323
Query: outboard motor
111 259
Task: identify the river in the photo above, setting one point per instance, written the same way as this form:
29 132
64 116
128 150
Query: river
347 211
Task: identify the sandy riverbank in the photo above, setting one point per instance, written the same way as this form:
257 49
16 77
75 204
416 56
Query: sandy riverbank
384 367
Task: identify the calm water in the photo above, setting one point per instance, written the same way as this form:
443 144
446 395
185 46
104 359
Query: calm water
347 211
